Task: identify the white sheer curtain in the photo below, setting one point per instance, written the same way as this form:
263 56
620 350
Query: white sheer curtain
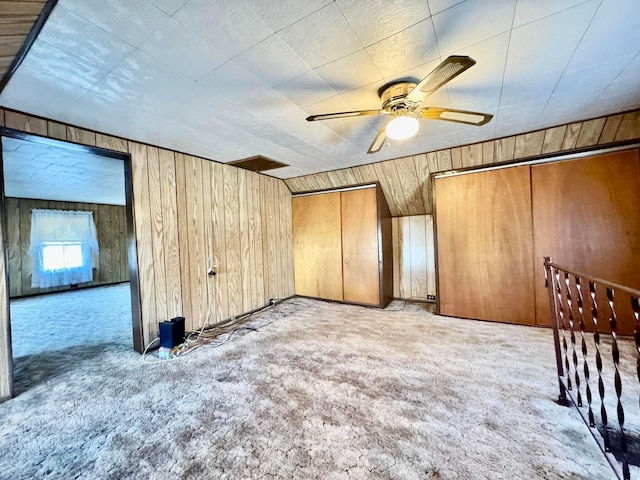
64 247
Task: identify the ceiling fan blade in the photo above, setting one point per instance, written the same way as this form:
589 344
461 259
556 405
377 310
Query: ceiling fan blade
450 68
378 142
458 116
357 113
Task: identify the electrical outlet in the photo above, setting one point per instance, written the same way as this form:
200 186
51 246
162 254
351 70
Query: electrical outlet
431 297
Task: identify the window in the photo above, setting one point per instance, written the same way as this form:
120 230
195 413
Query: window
61 255
64 247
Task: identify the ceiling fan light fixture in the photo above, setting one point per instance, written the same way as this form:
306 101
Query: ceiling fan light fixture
402 127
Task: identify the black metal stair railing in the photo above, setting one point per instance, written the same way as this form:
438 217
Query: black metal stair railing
571 315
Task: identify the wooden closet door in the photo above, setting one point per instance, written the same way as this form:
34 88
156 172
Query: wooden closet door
317 245
484 240
586 216
360 265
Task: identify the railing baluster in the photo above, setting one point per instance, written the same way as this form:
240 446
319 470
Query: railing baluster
573 337
563 327
580 304
615 353
596 339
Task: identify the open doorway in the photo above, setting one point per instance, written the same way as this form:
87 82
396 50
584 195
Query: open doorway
70 245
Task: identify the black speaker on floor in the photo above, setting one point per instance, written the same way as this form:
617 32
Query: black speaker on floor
172 332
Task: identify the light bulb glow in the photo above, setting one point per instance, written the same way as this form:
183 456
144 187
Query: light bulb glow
402 127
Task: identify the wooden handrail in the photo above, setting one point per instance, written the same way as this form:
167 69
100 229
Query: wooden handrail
617 286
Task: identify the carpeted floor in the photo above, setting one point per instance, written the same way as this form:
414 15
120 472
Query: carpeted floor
317 391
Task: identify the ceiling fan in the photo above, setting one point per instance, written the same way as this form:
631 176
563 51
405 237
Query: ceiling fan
402 101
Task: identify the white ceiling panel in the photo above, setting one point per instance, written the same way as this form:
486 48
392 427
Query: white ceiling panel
283 13
375 20
273 61
230 25
472 22
130 21
183 50
230 79
318 46
414 46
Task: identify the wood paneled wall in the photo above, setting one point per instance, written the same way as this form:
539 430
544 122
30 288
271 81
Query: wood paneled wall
16 19
189 214
406 182
112 240
414 261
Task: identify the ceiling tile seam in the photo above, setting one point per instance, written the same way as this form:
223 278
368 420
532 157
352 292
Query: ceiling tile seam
275 34
504 69
636 56
292 23
552 14
211 44
572 54
110 33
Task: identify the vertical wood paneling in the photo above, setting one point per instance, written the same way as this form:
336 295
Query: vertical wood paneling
471 155
279 228
111 143
183 233
529 144
590 132
553 138
505 149
25 123
424 180
82 136
571 136
246 253
610 129
255 235
144 239
232 232
414 257
220 282
409 185
456 158
444 160
418 246
157 233
487 153
629 127
56 130
197 253
169 239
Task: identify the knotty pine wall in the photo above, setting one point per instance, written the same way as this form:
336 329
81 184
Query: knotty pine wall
112 240
189 213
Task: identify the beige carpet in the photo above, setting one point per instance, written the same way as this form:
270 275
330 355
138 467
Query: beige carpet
318 391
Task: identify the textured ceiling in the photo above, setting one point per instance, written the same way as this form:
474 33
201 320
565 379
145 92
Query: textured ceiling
36 170
231 79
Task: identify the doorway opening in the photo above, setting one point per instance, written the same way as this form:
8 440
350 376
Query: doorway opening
71 260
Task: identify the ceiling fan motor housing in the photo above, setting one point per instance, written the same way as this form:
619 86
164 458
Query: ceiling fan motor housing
393 97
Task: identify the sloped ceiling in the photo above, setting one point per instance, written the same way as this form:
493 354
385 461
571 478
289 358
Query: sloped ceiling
232 79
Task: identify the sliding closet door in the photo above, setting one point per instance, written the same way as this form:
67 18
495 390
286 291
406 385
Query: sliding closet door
360 263
586 217
317 245
484 240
